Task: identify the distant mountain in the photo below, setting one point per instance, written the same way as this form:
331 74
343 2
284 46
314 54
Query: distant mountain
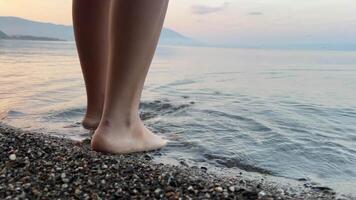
3 35
26 37
171 37
19 26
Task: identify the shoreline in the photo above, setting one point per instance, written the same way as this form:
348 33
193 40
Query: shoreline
39 166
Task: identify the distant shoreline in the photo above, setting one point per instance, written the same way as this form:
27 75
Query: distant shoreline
27 37
4 36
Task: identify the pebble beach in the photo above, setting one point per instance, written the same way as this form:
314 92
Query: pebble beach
39 166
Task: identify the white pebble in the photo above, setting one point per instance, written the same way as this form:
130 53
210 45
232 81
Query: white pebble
12 156
190 188
261 194
232 188
218 189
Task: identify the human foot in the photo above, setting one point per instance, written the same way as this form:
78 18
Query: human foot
94 110
122 140
91 122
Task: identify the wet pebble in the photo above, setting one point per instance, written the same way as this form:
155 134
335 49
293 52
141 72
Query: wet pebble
262 194
204 168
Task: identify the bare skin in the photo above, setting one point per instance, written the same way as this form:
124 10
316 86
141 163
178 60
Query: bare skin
135 28
91 27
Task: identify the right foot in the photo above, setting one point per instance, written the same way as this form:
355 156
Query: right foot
122 140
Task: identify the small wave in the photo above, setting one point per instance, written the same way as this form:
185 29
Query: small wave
235 162
74 125
14 113
252 124
155 108
148 110
65 114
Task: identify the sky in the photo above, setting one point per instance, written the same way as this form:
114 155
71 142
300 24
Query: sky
231 22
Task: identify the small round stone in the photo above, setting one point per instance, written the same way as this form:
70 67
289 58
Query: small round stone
232 188
157 191
219 189
77 191
12 157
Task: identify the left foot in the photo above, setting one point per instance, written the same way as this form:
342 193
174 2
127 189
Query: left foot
91 123
93 113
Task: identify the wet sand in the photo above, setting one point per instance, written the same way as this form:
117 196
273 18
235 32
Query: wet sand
39 166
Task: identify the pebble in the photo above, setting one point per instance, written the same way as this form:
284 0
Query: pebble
90 182
158 190
232 188
77 191
35 192
261 194
131 176
280 191
12 157
182 162
219 189
147 157
243 182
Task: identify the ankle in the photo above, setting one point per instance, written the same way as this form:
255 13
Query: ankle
121 119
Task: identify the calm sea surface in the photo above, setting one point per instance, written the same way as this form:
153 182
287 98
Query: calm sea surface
283 112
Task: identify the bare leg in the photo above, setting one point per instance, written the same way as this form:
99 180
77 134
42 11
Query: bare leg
135 30
91 27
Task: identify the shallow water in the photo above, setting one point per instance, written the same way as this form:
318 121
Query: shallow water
281 112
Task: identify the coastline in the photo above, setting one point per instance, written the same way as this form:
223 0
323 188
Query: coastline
38 166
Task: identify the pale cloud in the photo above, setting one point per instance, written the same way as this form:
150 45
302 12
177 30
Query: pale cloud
255 13
203 9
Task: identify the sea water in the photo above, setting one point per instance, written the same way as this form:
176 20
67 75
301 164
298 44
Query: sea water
287 113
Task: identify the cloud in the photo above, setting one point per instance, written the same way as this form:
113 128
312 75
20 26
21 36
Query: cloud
203 9
255 13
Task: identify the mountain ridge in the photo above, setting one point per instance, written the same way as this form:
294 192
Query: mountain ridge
16 26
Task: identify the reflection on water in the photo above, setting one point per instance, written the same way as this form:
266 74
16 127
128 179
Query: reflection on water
285 113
